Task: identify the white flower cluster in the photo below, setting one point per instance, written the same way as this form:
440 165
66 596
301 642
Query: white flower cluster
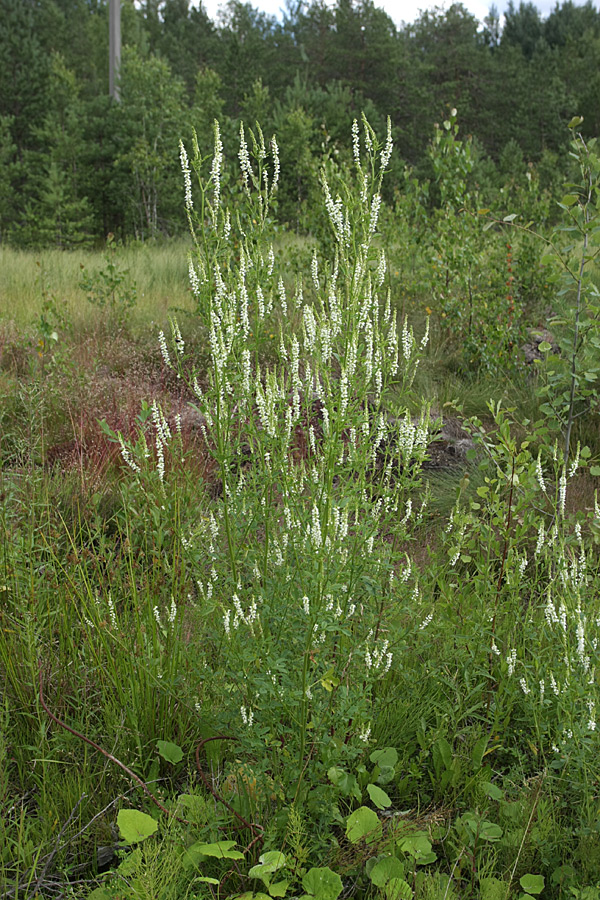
378 658
233 620
126 454
247 716
162 438
511 661
187 180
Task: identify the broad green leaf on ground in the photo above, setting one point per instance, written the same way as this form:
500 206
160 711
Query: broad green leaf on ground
490 831
363 822
378 796
345 782
322 884
532 884
268 863
386 869
419 847
171 752
194 855
388 756
398 889
135 826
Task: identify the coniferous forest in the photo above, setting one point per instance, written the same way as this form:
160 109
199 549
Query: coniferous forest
76 166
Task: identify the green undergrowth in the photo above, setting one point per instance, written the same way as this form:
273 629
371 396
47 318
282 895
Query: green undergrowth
299 582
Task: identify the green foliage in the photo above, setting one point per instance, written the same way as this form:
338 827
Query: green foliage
110 287
146 124
83 167
570 380
135 826
322 884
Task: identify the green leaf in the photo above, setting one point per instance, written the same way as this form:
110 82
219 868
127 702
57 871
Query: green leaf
570 199
479 751
490 832
99 894
329 681
130 865
135 826
279 889
544 346
532 884
398 889
207 880
386 774
378 797
268 863
363 822
417 845
323 884
386 869
171 752
493 791
386 757
575 122
510 218
195 854
345 782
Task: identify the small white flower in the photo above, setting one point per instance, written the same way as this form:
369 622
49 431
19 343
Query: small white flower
511 661
185 168
539 473
111 612
356 143
164 349
592 710
247 716
386 153
562 492
575 464
364 733
540 539
425 622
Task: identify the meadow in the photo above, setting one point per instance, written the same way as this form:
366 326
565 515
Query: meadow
299 590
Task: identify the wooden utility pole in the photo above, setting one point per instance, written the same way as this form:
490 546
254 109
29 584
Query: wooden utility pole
114 48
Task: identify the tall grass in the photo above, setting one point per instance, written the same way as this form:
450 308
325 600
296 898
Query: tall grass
30 277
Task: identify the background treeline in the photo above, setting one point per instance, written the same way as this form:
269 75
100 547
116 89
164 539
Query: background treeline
75 166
